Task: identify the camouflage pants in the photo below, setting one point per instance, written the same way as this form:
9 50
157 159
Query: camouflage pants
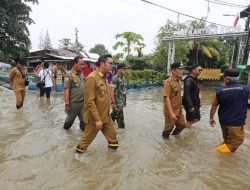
117 114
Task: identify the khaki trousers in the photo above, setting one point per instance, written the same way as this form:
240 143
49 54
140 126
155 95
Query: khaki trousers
233 136
170 123
20 95
90 133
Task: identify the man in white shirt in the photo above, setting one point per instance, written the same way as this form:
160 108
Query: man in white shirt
46 76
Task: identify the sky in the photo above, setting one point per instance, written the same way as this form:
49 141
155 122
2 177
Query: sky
98 21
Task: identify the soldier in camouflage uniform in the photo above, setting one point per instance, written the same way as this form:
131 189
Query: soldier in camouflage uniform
118 95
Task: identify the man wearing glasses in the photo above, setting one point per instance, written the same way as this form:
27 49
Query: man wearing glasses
97 106
191 96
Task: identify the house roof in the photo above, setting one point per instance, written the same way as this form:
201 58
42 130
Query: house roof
245 13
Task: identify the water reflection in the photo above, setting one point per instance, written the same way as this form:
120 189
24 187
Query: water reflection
37 153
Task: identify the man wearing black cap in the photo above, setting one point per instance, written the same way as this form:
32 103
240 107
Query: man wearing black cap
17 80
191 96
118 94
173 102
232 100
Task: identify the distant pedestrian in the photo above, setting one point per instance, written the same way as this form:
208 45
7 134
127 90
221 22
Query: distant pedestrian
46 75
17 80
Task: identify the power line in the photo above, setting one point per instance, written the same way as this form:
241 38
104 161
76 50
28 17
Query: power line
160 6
231 3
226 4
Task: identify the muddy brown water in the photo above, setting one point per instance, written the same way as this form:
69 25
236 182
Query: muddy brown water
37 153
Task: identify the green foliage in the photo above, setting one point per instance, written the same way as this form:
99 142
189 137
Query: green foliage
64 43
44 43
129 41
99 49
14 33
77 46
137 63
146 75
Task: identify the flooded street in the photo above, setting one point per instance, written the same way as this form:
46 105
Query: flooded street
37 153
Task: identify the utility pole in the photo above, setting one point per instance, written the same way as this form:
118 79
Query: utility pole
246 14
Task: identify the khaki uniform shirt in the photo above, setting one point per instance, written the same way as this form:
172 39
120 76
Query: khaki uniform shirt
96 98
17 79
75 83
172 89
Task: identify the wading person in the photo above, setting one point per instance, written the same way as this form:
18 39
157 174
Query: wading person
73 94
97 106
191 97
173 102
17 79
118 95
45 75
232 100
54 74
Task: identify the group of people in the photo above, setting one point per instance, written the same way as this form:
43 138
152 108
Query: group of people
90 99
231 98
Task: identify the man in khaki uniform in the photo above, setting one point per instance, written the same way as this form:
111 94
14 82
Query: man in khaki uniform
173 102
17 80
97 106
73 94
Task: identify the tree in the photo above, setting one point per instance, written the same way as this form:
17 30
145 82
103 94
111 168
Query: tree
40 45
160 55
64 43
44 43
14 33
77 46
129 41
99 49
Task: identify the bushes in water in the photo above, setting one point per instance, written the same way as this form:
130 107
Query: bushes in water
145 78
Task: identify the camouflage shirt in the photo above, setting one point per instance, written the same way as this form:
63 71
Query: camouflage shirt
120 85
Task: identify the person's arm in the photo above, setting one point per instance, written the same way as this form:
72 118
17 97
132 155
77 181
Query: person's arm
167 103
89 101
187 90
67 85
113 85
213 110
12 75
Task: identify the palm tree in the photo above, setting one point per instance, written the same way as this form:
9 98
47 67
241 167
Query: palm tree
197 48
129 40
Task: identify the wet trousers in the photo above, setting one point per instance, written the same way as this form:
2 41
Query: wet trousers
20 95
118 115
233 136
76 109
170 123
108 131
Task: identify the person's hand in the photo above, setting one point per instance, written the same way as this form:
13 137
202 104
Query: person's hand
67 108
173 116
191 110
113 106
212 122
98 125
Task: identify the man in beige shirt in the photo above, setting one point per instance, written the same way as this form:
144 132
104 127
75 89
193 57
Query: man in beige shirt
97 106
17 80
173 102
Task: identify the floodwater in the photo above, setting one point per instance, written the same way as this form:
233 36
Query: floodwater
37 153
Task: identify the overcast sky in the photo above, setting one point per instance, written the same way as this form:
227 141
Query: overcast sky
98 21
